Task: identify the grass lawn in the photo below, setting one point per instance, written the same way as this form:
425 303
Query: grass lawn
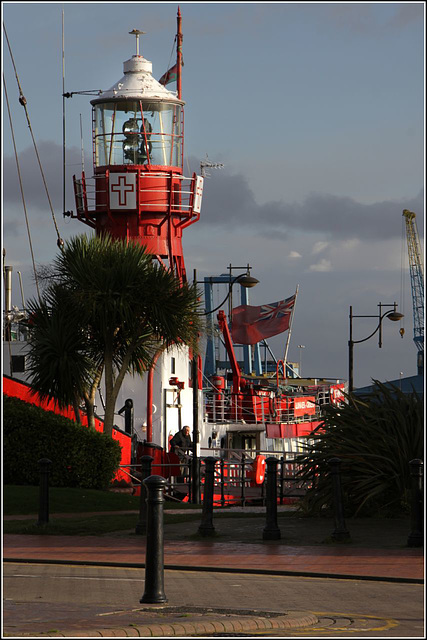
90 526
24 500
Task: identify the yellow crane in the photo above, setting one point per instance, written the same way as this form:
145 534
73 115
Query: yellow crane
416 271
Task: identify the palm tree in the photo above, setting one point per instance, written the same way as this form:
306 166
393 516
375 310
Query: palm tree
58 361
122 307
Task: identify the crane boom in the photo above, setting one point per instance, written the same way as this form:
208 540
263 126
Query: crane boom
417 281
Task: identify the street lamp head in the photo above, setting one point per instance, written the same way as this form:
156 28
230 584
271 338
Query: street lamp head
247 281
395 316
244 279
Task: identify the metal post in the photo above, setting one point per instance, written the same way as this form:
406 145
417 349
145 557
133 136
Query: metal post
242 480
271 530
189 467
195 466
44 466
350 354
221 466
206 527
415 538
7 272
154 554
141 527
340 533
282 467
127 409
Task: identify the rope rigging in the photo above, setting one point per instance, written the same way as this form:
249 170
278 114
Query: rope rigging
23 102
22 190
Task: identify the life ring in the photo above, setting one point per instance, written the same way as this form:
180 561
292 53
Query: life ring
258 469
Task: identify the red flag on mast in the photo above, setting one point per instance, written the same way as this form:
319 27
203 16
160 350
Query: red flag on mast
253 324
170 75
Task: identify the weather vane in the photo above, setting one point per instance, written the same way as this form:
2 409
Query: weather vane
137 33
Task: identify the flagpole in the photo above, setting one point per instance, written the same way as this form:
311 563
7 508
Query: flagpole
179 54
289 333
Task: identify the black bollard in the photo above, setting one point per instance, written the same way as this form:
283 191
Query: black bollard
44 466
141 527
242 480
206 527
340 533
154 555
416 537
222 469
271 530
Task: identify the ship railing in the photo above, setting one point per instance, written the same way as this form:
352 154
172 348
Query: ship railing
234 478
222 412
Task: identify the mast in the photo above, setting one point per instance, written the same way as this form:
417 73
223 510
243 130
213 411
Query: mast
285 357
179 38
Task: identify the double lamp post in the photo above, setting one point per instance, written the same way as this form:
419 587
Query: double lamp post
392 315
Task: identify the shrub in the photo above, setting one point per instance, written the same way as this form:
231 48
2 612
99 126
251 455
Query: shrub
81 457
375 436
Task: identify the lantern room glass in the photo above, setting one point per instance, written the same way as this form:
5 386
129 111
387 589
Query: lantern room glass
134 132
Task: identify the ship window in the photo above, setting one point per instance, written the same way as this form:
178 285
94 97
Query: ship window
136 132
18 364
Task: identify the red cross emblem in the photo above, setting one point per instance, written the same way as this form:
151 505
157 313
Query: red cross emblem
122 188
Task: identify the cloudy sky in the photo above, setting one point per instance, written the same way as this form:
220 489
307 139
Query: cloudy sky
316 111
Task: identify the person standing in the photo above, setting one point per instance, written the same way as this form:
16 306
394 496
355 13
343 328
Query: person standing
182 445
181 442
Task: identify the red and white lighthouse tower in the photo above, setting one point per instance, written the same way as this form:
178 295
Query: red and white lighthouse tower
139 190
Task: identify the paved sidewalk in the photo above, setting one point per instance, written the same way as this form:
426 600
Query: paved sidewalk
127 551
386 564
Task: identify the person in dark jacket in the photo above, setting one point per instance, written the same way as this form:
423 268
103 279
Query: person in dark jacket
181 445
181 442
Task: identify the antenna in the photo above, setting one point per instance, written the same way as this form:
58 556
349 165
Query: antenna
137 33
63 115
211 165
22 290
81 144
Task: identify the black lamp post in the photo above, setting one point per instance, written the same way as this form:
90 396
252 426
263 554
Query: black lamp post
246 280
391 315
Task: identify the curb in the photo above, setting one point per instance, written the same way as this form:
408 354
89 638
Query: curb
268 572
292 620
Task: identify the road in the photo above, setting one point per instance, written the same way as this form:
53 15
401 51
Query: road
45 597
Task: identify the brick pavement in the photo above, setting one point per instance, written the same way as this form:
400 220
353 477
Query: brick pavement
404 564
392 564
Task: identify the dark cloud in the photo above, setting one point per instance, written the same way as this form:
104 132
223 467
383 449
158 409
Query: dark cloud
50 155
364 18
230 202
12 228
406 13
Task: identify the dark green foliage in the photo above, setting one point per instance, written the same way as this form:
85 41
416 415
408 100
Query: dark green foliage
375 436
107 306
80 457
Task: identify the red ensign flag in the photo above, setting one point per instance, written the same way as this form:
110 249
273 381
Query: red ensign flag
253 324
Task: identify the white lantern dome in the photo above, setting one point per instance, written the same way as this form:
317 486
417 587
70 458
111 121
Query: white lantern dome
137 83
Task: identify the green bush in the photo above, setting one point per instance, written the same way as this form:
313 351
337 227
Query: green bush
81 457
375 436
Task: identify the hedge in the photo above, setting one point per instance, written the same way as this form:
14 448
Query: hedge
81 457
